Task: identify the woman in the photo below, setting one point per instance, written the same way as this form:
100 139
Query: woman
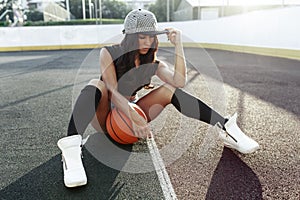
126 68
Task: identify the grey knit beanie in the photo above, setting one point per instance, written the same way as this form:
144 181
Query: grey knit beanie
141 21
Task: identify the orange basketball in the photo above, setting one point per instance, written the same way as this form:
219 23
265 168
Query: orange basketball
119 126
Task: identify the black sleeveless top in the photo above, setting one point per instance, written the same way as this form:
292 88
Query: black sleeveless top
130 78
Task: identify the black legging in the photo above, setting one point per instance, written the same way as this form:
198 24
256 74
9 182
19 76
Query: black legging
84 110
87 103
192 107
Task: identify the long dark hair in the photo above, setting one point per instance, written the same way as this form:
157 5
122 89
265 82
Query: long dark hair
130 46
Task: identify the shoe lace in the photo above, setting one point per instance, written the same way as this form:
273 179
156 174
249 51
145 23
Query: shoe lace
227 134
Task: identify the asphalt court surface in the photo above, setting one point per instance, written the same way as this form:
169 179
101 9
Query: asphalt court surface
37 91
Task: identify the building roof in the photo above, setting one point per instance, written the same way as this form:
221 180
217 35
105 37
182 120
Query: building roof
195 3
138 1
44 1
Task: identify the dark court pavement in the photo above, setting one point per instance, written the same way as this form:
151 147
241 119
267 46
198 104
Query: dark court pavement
37 90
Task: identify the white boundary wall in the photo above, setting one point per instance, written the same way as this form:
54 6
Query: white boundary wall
277 28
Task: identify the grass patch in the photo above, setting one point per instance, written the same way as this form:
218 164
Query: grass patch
71 22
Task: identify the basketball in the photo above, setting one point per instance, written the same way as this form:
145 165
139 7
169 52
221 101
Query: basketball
119 126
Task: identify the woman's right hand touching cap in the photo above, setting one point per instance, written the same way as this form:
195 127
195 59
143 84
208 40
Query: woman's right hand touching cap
174 35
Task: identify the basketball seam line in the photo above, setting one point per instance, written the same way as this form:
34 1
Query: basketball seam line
112 128
126 122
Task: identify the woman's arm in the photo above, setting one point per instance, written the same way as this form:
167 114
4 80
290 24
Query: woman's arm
178 77
109 77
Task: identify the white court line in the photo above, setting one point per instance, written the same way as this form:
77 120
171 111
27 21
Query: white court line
161 171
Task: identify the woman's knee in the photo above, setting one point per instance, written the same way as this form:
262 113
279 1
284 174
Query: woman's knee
162 95
167 91
103 108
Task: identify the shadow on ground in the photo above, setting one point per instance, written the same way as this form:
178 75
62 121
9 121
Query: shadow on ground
271 79
233 179
46 182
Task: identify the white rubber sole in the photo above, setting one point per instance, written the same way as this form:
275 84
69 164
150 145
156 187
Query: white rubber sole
76 184
243 152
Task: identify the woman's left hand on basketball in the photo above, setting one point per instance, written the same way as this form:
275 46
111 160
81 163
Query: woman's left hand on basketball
139 125
174 35
141 131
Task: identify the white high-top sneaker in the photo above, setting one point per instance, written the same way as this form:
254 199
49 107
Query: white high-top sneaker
74 173
234 137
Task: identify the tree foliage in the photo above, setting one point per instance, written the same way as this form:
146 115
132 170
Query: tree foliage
111 9
114 9
6 5
34 15
159 8
76 8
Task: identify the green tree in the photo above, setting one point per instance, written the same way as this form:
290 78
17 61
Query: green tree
114 9
34 15
76 8
110 8
159 8
4 6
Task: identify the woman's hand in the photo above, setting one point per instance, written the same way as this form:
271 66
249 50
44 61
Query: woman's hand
174 35
139 124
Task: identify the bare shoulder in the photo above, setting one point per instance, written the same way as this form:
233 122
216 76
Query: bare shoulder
104 53
105 57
